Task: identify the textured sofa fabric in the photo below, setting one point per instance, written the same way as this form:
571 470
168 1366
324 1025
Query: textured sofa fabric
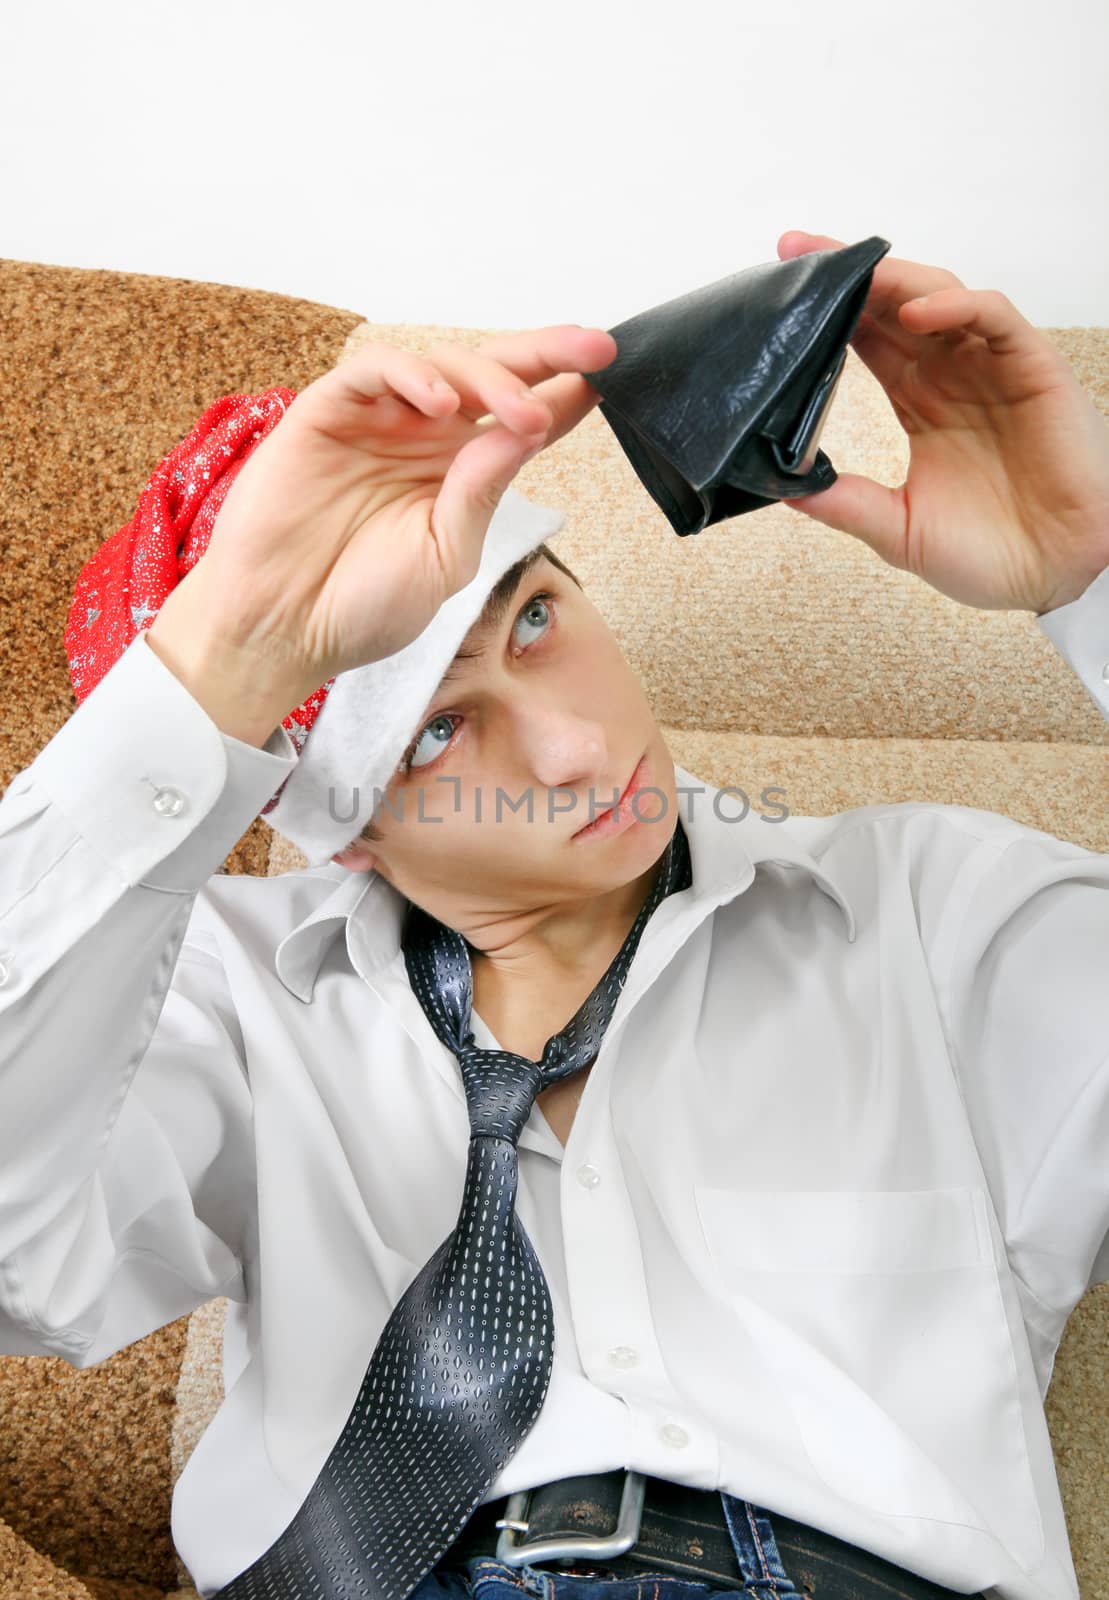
778 655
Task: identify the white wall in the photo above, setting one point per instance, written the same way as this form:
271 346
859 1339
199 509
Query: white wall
485 165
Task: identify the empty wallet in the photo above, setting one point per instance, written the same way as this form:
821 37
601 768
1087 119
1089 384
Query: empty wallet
718 398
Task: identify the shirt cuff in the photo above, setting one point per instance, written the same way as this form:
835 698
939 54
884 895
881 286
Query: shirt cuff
1080 633
143 773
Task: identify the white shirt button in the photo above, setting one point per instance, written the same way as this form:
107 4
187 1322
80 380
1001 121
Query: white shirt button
622 1355
5 968
169 802
588 1176
674 1436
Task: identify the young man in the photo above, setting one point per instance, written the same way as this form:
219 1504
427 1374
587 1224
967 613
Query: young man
814 1213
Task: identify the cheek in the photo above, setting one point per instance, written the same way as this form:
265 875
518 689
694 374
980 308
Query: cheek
450 864
604 675
437 836
597 654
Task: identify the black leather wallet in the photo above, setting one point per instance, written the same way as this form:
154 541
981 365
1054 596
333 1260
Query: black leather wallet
719 398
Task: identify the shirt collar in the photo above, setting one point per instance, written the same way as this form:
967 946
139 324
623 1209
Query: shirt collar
725 849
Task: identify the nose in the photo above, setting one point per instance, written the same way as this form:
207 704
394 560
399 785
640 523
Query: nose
562 748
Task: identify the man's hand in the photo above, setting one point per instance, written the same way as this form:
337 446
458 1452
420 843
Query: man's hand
1006 502
367 507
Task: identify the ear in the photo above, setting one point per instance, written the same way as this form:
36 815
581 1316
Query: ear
356 856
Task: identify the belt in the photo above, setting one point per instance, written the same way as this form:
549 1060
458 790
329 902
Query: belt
625 1523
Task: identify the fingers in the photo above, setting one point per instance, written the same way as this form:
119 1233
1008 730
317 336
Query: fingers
486 386
538 353
895 280
888 334
489 380
954 313
469 495
870 511
379 371
796 243
495 378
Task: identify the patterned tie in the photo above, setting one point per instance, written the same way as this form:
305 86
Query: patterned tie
462 1368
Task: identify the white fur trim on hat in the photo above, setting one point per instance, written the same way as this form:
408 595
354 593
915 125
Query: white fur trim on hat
372 712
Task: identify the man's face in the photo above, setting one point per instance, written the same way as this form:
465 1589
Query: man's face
549 713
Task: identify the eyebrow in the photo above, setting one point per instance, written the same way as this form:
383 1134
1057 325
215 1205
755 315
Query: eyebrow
497 602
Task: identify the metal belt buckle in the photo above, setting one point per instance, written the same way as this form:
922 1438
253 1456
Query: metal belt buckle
588 1546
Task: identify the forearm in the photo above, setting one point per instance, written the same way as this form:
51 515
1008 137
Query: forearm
247 688
105 840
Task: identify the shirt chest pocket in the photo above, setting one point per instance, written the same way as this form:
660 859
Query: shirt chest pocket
880 1314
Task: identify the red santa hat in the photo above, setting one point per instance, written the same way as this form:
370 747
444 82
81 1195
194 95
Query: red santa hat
361 721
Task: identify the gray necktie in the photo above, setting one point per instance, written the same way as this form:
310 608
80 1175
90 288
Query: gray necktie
463 1365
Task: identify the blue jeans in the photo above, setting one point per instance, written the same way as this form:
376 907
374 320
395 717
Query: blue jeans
753 1540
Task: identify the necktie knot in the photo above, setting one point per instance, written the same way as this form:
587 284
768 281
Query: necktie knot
500 1090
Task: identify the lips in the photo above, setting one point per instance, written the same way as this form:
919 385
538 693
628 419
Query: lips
610 811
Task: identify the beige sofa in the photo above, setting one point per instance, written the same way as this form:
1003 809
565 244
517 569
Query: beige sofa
774 651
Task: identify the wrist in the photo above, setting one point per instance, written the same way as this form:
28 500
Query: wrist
247 690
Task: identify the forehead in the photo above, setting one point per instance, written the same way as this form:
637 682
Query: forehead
497 603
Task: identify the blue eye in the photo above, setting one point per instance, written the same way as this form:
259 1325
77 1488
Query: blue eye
436 722
445 721
536 603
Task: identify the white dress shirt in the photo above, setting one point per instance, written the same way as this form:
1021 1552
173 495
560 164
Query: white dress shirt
837 1177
